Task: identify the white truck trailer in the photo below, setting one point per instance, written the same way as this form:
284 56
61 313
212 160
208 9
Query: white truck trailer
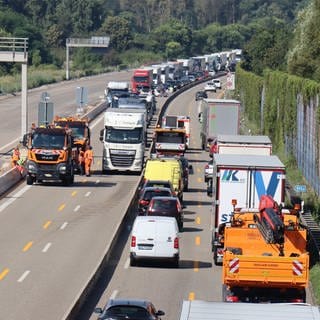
242 144
124 139
218 116
212 310
244 178
236 144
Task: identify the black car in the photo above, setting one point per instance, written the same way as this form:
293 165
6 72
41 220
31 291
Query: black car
166 207
148 193
129 309
201 95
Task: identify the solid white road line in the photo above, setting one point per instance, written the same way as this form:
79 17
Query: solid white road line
14 197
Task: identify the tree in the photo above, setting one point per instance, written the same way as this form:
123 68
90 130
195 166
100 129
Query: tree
173 50
303 59
173 31
118 30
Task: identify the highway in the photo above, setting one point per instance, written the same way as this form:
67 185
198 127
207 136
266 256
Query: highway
196 277
53 238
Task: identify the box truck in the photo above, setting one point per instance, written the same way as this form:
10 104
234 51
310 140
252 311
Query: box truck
241 144
218 116
245 178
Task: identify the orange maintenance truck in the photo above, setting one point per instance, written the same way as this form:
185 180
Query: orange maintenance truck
266 258
80 132
50 154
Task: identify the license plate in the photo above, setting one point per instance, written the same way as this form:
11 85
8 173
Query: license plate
145 247
48 175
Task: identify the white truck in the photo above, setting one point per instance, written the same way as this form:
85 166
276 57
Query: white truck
244 178
115 87
124 139
237 144
218 116
214 310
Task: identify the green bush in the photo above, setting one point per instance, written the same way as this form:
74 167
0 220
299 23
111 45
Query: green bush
315 280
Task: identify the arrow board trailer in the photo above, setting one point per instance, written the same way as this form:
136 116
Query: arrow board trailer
124 138
209 310
245 178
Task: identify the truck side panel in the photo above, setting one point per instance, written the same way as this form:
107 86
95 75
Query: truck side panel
246 186
223 119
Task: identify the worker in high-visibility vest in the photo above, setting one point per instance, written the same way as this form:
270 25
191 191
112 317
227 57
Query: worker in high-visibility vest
15 156
88 160
81 162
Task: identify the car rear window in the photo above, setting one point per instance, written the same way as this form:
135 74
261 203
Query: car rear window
165 204
159 185
153 193
127 312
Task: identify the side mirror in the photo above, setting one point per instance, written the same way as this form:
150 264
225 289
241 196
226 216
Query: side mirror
101 135
25 139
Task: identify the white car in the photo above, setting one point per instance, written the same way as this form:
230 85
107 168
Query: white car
154 238
217 83
210 86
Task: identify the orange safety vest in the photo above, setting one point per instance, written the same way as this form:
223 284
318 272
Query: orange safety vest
16 155
88 155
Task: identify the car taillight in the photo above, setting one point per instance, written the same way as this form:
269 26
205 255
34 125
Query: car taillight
297 300
144 202
206 166
176 243
232 299
133 241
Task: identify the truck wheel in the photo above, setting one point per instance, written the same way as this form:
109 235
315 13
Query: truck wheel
29 180
224 293
215 258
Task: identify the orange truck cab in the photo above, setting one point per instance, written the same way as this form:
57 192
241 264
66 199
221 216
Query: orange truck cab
50 155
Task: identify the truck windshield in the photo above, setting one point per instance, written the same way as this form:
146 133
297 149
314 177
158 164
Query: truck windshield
140 79
124 135
48 141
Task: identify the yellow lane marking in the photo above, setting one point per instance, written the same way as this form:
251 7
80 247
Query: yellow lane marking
198 170
4 273
191 296
27 246
74 193
47 224
61 207
198 240
198 220
200 180
196 266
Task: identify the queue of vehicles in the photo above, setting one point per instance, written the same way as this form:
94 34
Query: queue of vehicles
239 182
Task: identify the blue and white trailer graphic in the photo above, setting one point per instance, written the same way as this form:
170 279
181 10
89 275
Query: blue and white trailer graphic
244 178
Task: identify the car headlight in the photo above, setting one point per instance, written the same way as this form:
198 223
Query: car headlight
63 169
31 166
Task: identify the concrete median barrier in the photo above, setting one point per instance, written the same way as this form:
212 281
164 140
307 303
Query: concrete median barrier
9 179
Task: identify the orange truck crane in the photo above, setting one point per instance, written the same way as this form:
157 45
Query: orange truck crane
80 132
266 258
50 155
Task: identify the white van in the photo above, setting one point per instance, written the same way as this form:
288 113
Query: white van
154 238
